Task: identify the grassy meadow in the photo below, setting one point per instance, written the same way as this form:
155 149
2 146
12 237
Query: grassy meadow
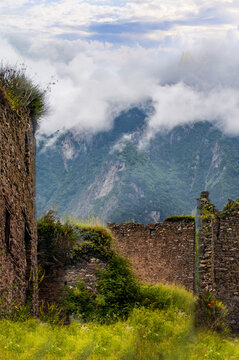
148 333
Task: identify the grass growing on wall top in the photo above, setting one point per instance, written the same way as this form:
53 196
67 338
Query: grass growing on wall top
22 95
229 207
176 218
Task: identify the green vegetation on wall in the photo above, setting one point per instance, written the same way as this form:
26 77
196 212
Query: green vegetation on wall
117 288
229 207
54 241
176 218
21 94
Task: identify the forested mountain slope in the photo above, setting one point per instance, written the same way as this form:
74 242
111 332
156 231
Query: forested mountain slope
108 176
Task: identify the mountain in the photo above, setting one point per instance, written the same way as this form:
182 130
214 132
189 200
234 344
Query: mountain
108 176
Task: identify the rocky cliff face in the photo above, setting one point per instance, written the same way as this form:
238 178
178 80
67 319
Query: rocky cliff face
109 177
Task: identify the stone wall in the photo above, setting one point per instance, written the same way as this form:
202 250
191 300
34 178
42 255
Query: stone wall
219 254
160 252
85 270
18 237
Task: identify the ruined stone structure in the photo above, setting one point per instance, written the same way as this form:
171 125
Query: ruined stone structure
219 254
18 236
52 287
160 252
166 252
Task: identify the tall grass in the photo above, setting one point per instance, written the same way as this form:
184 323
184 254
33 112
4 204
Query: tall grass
167 296
146 335
163 330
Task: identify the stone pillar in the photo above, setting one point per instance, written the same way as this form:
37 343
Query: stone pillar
207 223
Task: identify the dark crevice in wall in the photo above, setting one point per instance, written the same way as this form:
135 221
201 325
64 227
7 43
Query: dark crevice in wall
7 229
27 242
27 153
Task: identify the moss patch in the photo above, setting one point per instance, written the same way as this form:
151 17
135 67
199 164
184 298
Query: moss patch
176 218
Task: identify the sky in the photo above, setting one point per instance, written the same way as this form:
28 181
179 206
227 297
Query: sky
97 58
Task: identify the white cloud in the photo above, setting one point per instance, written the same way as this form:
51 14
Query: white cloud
97 80
180 104
53 17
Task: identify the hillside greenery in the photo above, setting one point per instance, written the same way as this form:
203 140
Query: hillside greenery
108 176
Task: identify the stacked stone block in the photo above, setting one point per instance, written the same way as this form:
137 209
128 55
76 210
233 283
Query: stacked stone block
159 252
18 235
219 254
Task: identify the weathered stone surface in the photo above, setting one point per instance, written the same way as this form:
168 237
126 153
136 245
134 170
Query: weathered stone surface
160 252
85 270
219 256
18 236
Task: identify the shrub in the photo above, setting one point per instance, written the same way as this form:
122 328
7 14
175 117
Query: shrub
79 302
118 290
208 211
94 240
211 313
55 240
229 207
117 294
51 313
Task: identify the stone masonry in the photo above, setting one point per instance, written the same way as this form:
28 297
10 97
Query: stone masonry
219 254
85 270
159 252
18 235
166 252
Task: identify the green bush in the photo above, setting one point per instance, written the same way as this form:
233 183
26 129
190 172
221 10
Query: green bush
118 290
117 294
211 313
208 210
94 240
51 313
80 302
55 240
229 207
